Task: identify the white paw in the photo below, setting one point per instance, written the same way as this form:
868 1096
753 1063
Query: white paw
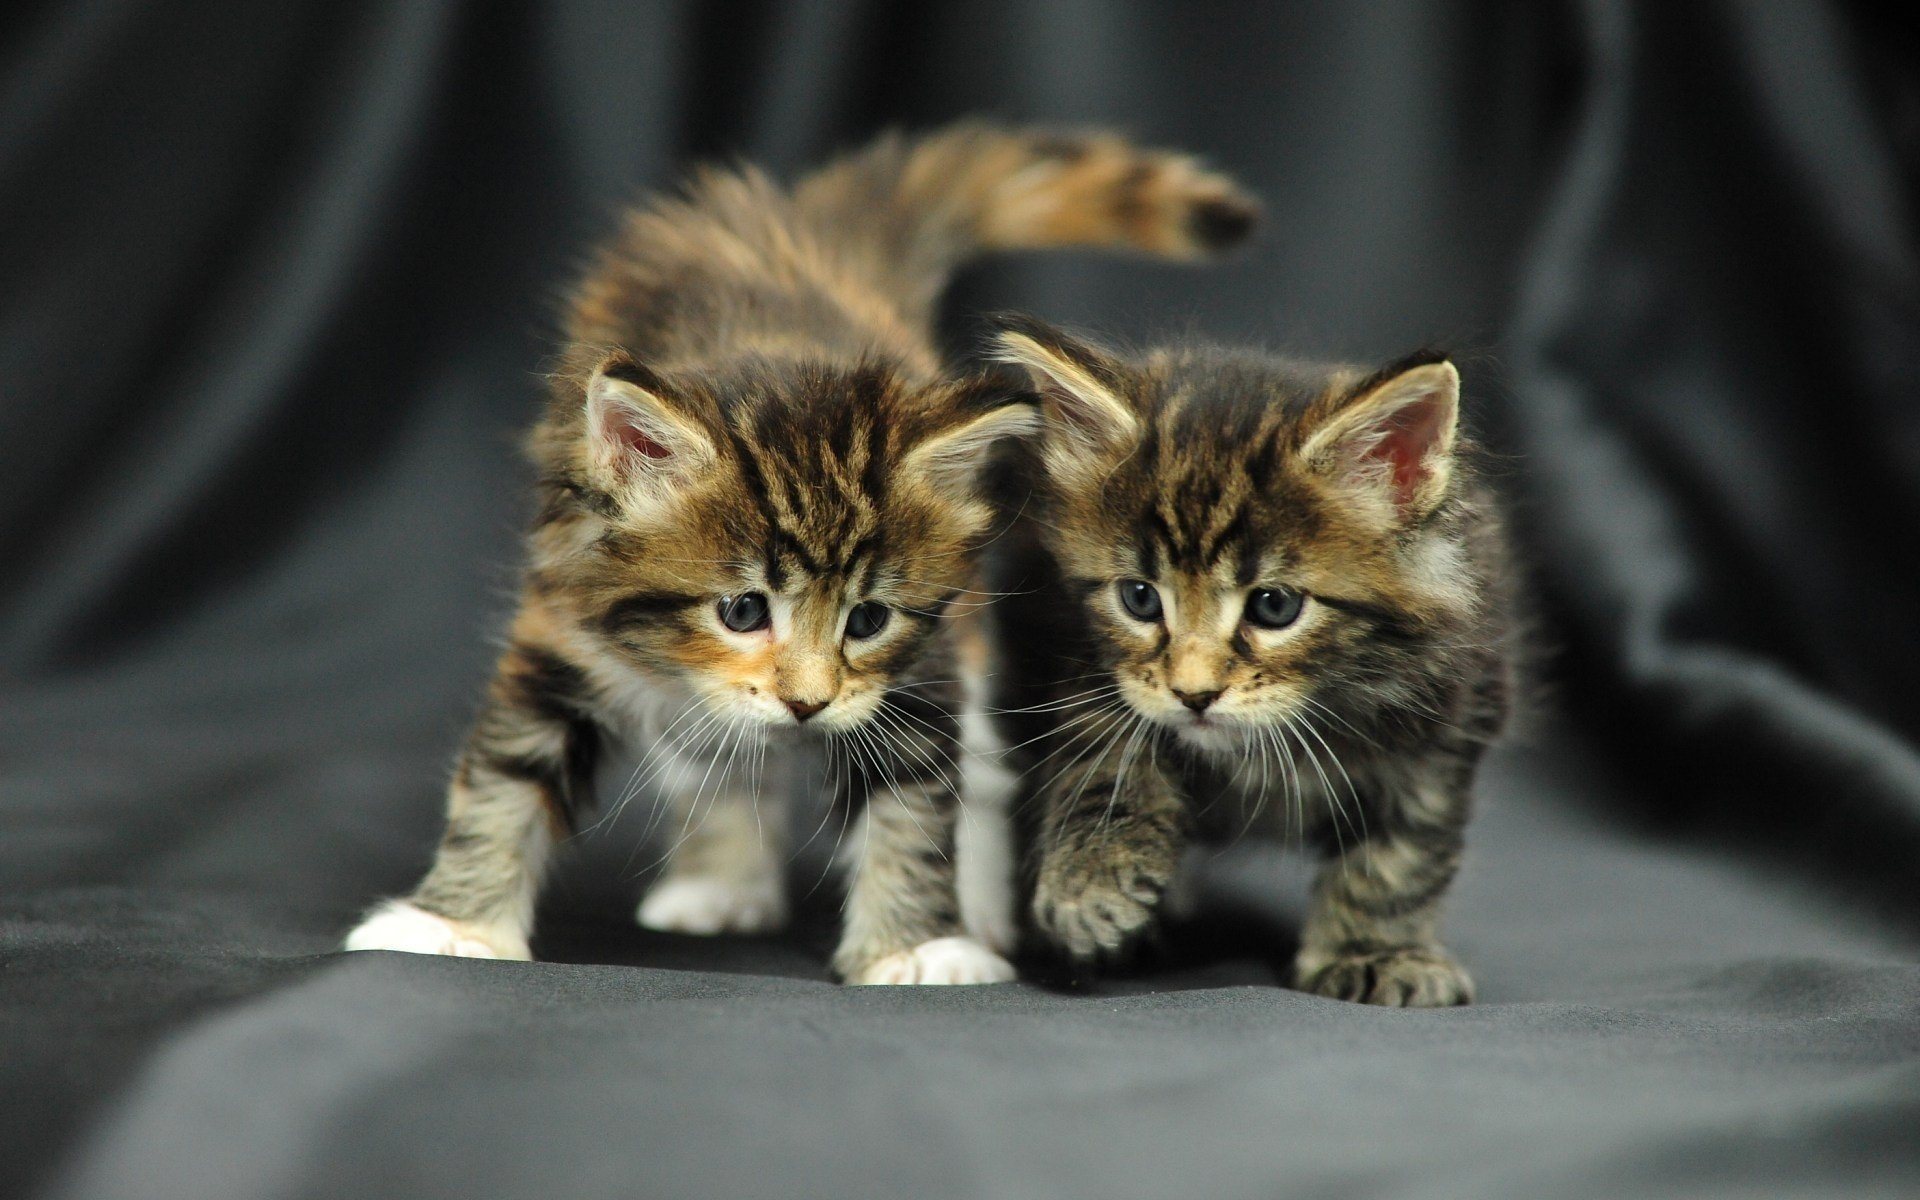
706 906
397 925
943 960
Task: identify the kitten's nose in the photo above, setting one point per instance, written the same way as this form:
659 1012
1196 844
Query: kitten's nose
1197 701
802 709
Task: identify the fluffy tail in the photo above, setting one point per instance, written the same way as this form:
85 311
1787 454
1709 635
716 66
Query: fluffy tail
909 210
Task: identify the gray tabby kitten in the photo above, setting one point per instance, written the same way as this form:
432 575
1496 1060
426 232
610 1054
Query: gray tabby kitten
1252 593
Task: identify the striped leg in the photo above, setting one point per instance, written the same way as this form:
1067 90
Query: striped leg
518 785
1369 935
903 921
1110 837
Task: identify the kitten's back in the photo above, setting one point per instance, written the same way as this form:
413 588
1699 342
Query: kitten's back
853 258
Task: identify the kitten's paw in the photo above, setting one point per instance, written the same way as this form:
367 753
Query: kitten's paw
1404 977
397 925
1098 909
706 906
940 961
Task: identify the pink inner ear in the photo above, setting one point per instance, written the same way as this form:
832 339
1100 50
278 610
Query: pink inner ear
635 440
1405 438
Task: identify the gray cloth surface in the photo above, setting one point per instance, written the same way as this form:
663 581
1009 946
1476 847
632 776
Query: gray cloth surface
1654 1022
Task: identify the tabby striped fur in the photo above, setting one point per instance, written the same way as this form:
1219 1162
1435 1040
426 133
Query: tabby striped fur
750 404
1211 476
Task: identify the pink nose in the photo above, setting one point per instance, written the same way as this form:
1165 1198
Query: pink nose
802 709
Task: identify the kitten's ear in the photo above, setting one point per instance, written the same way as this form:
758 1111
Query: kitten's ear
1080 387
950 459
641 444
1392 433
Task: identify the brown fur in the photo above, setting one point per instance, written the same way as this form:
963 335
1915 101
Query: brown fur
750 403
1212 475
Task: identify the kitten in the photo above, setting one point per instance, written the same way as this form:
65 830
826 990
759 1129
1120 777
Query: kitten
1252 591
759 497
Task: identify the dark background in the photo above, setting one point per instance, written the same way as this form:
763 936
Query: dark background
275 289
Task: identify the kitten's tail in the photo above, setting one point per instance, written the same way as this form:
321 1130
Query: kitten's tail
910 210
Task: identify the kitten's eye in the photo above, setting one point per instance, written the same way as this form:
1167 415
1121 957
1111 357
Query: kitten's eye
746 612
1274 608
867 619
1140 598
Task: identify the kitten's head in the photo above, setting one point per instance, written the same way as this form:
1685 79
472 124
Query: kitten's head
783 538
1251 537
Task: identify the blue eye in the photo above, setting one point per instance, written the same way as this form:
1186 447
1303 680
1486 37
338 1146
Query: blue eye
1274 608
1140 598
746 612
867 619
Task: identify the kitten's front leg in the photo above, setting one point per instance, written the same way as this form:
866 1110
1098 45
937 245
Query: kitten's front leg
1111 834
1370 935
725 863
518 785
903 921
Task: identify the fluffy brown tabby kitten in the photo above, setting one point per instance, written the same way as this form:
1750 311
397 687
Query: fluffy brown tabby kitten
760 498
1252 591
